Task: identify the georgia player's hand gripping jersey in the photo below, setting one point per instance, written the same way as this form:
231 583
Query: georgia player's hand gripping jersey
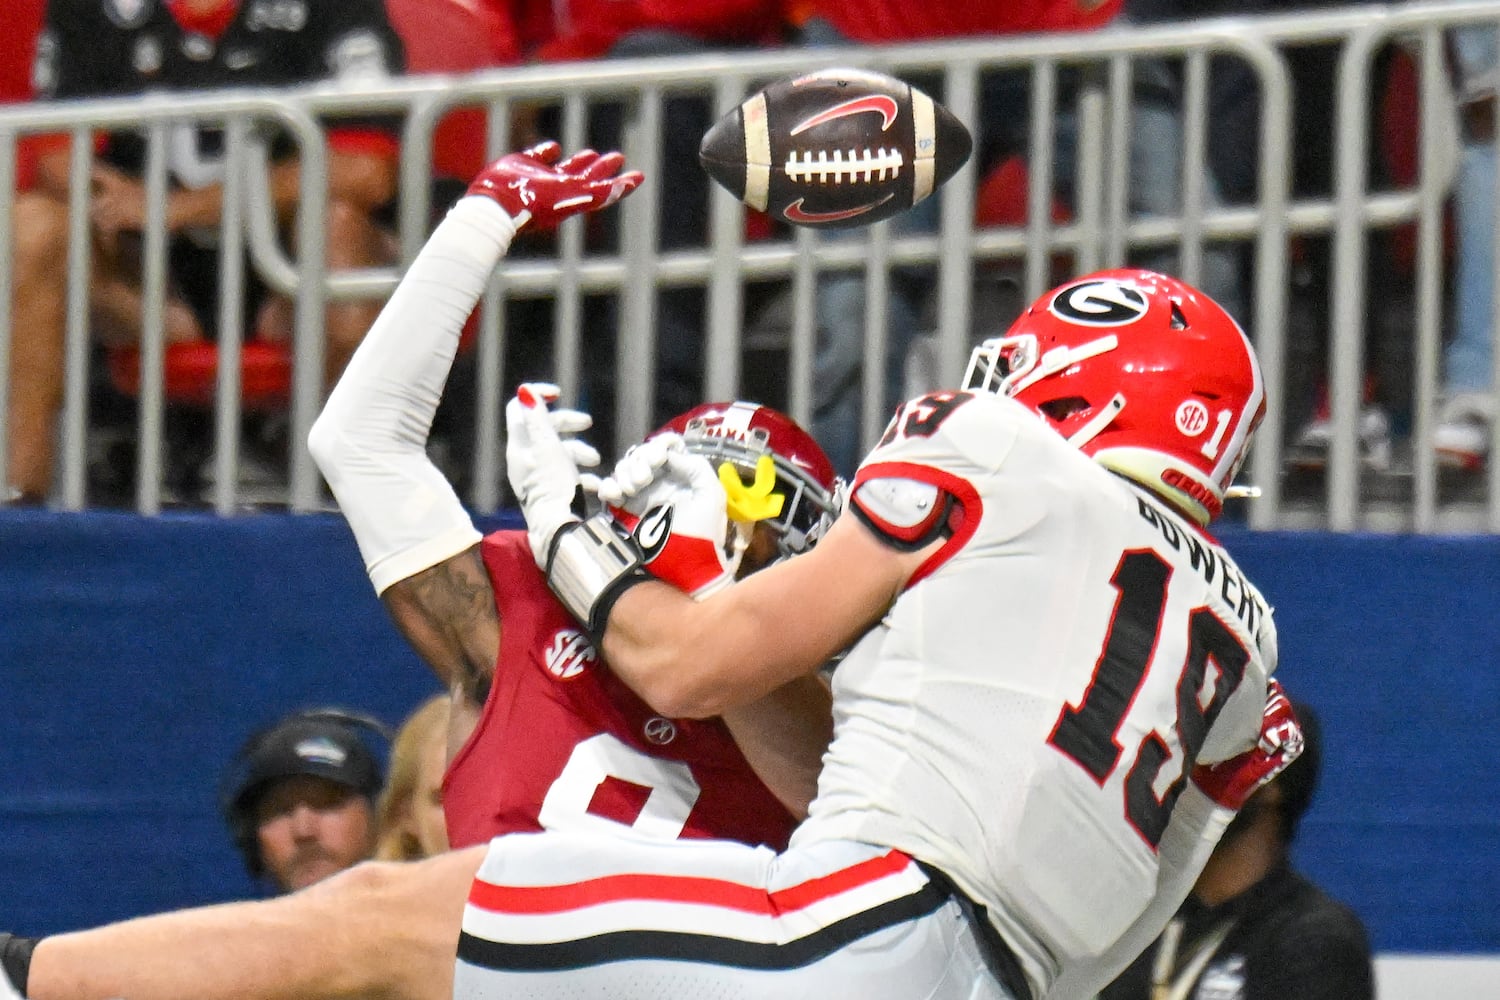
563 745
1024 717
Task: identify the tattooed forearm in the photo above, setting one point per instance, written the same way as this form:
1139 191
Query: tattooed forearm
447 613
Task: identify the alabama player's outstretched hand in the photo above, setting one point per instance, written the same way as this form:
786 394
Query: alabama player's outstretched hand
542 459
674 505
537 185
1233 781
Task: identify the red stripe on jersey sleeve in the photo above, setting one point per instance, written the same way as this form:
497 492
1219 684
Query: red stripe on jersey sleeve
682 889
970 507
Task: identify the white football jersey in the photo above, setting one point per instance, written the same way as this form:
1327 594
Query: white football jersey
1023 717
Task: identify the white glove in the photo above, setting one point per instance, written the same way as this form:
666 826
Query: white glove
634 473
675 508
542 461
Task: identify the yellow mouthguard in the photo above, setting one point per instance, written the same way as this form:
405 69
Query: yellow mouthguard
755 502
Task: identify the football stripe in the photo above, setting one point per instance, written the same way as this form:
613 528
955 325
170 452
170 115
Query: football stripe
882 104
924 126
757 153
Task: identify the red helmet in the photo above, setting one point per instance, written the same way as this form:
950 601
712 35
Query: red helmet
1146 374
740 433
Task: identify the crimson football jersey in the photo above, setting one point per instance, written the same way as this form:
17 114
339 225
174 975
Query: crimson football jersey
562 744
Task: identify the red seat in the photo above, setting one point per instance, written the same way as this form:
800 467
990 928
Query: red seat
1003 195
191 370
447 36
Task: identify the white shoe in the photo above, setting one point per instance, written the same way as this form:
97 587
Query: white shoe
1310 449
1462 437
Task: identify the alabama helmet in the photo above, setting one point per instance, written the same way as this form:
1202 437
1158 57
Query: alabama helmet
741 433
1144 373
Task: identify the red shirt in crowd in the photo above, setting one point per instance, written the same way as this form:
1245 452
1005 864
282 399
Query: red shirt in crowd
886 21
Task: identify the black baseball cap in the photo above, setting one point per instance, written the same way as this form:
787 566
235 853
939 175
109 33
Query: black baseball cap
325 747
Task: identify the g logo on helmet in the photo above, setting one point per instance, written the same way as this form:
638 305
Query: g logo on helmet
1099 303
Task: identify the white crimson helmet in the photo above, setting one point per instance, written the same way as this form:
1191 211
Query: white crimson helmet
1144 373
740 433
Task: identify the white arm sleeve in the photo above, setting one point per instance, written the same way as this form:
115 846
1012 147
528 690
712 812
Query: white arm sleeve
1192 834
370 441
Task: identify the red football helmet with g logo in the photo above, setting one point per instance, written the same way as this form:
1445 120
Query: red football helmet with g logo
740 433
1141 371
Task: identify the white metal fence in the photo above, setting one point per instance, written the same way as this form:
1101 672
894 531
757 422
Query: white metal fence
958 257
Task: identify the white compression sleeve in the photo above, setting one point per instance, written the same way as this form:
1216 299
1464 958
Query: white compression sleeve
370 441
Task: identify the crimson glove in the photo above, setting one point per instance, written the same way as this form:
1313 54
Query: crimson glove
533 185
1231 782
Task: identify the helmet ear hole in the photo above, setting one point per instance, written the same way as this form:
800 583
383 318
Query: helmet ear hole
1063 407
1179 321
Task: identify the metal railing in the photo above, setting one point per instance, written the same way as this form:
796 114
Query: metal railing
1102 231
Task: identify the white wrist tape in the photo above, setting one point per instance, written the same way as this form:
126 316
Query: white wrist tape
590 564
371 439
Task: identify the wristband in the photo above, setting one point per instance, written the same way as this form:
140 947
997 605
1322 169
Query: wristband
589 565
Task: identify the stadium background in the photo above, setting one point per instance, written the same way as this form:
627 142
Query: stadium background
114 625
136 653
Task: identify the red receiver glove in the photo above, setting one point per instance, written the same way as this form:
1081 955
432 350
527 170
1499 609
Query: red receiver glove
535 186
1233 781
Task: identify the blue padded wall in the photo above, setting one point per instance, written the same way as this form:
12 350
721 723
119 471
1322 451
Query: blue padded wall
136 654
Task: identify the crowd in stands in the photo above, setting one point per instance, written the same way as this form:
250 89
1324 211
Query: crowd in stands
104 47
308 797
323 789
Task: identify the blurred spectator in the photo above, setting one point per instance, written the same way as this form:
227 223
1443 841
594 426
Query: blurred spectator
1234 150
1234 103
1254 929
647 29
411 807
1462 438
299 797
1003 133
97 48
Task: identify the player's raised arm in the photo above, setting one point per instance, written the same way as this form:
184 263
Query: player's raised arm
418 543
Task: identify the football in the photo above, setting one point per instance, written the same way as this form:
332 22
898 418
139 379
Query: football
835 148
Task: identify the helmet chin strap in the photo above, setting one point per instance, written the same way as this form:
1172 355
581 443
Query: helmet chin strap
1101 420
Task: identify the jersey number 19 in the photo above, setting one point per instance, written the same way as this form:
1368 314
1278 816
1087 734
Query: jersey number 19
1088 732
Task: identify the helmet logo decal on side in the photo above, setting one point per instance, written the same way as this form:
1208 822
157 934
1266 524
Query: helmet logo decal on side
1099 303
1192 418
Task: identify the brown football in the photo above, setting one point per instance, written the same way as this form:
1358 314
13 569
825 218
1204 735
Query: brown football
835 148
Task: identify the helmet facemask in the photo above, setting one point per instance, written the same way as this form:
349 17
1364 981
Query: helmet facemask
807 509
